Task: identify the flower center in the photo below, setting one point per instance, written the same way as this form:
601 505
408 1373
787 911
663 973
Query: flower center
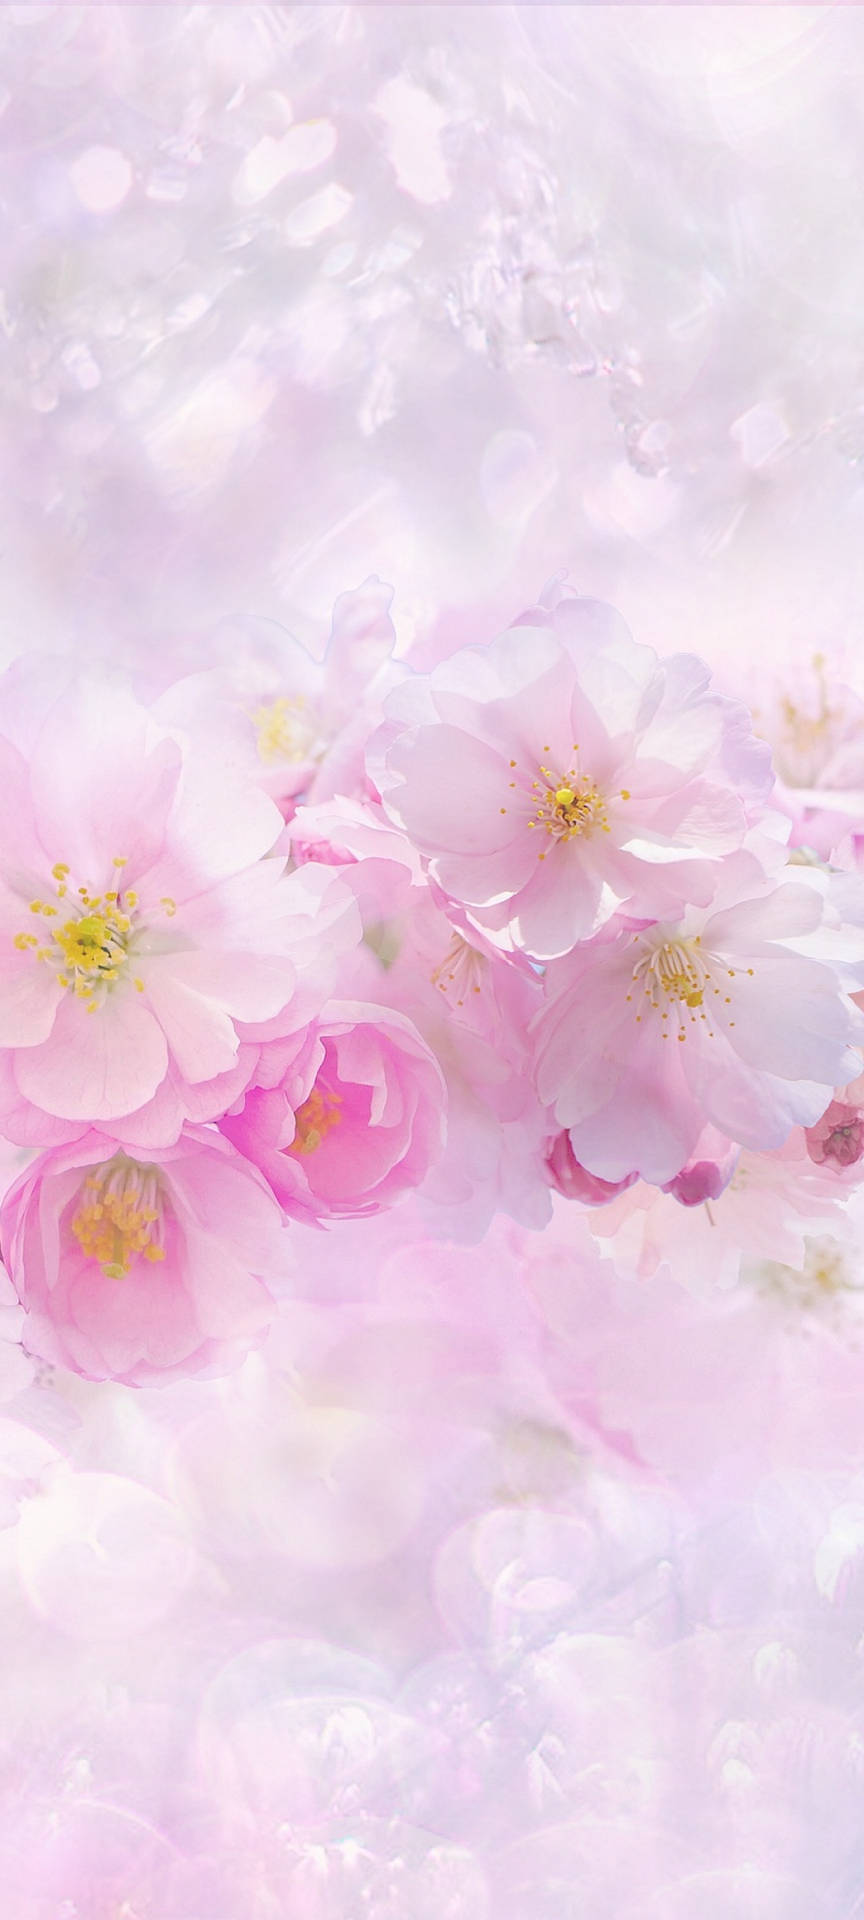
676 978
119 1216
803 737
822 1276
286 729
314 1119
89 949
568 804
462 968
844 1144
838 1138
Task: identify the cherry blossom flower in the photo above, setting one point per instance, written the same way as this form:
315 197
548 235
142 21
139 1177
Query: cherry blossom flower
143 932
295 724
838 1137
774 1203
563 771
346 1119
651 1034
140 1270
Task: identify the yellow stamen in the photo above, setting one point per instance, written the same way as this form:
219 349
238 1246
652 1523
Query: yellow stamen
119 1216
88 950
314 1119
285 729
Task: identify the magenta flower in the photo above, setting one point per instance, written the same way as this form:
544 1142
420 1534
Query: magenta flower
557 774
141 1270
143 934
713 1018
346 1119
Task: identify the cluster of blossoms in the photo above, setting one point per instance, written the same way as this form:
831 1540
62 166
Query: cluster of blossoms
281 944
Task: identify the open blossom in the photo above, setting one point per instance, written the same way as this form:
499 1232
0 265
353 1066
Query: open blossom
141 1270
713 1018
564 771
770 1206
143 934
348 1117
294 723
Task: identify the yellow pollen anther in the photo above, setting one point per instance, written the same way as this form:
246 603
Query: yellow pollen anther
568 805
120 860
314 1119
119 1216
286 730
88 950
674 976
462 968
169 906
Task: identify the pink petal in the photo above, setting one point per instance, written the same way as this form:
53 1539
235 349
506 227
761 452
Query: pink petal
95 1066
103 783
455 789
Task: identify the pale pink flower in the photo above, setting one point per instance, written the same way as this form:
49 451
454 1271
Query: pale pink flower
473 1009
772 1206
812 720
563 771
143 934
714 1017
141 1270
295 723
471 1005
348 1117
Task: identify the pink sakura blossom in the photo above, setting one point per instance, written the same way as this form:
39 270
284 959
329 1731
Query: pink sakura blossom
346 1118
474 1009
838 1138
564 771
836 1142
472 1006
144 935
771 1207
294 723
652 1033
141 1270
812 720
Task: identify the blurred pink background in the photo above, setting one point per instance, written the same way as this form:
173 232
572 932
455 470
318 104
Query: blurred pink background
504 1583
